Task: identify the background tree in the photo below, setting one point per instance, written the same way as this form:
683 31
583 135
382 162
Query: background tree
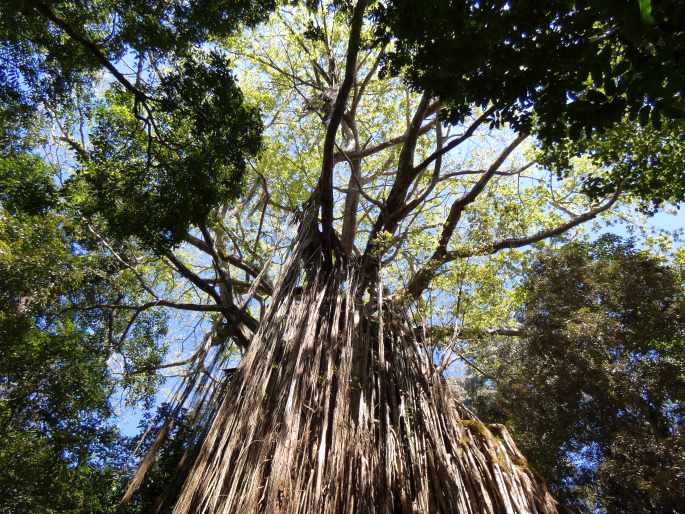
60 451
594 388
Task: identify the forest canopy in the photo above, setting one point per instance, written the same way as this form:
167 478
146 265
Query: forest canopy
210 212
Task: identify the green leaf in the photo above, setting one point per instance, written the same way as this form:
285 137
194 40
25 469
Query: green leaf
646 11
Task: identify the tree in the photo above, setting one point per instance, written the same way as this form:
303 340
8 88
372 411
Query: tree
53 374
594 389
361 200
60 451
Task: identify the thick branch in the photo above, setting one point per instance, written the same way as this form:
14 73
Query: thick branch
405 176
192 277
354 188
425 274
239 263
458 206
159 303
367 152
232 313
420 198
264 285
389 217
325 188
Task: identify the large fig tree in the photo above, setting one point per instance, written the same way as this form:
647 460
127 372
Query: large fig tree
318 265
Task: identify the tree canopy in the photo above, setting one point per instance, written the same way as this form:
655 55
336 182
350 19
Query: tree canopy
169 143
558 66
594 388
570 73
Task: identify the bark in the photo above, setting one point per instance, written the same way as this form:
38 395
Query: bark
336 408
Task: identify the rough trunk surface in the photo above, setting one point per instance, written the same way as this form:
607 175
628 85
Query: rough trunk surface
336 408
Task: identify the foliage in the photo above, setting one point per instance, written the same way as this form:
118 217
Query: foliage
36 478
54 380
595 390
169 145
27 185
587 78
574 67
645 160
152 156
56 46
155 183
59 449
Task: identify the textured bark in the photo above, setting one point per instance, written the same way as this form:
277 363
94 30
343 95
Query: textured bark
337 409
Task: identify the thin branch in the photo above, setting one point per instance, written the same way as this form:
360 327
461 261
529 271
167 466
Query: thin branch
369 151
239 263
218 264
119 258
459 205
90 46
456 142
538 236
359 93
440 332
422 279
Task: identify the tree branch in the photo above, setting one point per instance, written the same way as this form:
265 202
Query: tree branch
90 46
218 264
192 277
423 277
158 303
367 152
325 188
534 238
458 206
456 142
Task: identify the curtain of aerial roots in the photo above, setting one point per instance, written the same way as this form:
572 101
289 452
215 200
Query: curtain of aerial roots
336 410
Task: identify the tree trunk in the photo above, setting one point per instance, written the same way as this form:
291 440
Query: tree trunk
337 409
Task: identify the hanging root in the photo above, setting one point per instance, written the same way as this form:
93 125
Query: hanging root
336 409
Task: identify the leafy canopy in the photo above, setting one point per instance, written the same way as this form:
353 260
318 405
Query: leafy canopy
167 145
580 75
564 65
595 389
